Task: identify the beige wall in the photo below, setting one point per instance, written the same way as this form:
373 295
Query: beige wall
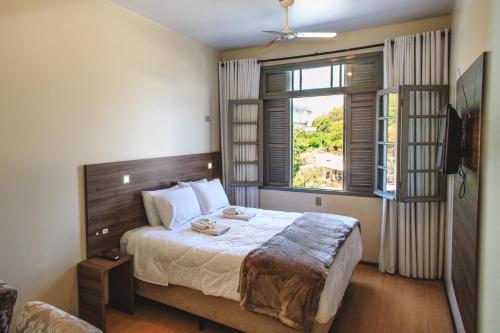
85 82
470 37
370 214
489 278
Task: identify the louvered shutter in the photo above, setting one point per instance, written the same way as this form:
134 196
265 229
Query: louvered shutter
277 141
277 82
360 117
363 73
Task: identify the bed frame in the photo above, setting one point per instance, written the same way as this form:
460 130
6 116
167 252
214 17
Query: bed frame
217 309
112 208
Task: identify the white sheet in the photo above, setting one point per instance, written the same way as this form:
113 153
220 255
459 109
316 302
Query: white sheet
212 264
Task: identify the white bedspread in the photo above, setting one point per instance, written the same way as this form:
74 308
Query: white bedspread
212 264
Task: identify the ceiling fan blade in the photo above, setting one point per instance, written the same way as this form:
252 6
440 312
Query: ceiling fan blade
316 34
273 32
268 44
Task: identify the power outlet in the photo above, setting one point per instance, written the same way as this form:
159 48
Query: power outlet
318 201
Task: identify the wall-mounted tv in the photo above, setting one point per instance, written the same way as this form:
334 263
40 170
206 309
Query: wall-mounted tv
449 147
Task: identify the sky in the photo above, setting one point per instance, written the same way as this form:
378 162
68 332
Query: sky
319 105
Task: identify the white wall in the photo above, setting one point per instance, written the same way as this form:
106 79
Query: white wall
489 277
85 82
368 215
470 38
367 210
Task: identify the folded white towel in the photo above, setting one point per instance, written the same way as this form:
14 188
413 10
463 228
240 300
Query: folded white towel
245 217
204 224
216 230
233 211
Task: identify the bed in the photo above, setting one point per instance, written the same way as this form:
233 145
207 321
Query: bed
211 265
191 271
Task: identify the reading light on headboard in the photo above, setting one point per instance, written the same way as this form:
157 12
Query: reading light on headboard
209 165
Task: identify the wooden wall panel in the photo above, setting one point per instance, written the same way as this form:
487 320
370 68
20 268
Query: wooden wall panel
466 217
118 207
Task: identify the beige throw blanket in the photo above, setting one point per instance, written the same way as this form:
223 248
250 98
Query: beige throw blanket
285 276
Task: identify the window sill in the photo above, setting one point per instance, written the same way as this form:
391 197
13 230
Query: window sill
318 191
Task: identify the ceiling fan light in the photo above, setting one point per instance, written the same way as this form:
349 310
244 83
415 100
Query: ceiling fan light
316 34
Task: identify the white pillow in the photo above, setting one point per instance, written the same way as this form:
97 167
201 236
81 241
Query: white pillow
177 207
211 196
149 205
186 184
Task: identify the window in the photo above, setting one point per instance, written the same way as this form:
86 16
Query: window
318 142
386 141
319 122
406 149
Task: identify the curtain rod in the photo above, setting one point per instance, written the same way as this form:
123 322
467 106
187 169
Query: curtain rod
330 52
321 53
327 52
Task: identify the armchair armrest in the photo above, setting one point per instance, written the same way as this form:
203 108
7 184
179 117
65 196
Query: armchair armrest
8 296
42 317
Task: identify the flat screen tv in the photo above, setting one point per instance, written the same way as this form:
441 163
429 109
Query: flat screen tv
449 145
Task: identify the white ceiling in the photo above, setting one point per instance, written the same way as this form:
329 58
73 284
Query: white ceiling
227 24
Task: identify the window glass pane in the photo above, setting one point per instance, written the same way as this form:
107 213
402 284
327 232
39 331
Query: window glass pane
391 157
318 142
381 179
388 105
392 130
382 112
346 75
382 125
381 155
316 78
336 76
390 185
296 79
393 105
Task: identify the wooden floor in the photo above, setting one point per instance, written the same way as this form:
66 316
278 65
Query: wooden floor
374 302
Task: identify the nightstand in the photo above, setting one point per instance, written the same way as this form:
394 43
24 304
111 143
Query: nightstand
91 291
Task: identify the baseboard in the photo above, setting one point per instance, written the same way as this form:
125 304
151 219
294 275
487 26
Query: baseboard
369 263
449 307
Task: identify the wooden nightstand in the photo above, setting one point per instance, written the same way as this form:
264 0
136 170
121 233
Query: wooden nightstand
91 292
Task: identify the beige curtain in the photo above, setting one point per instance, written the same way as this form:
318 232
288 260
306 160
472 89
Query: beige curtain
412 239
239 80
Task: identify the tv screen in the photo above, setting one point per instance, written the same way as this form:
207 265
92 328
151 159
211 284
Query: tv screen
449 140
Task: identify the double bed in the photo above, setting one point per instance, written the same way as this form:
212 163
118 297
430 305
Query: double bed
192 271
211 265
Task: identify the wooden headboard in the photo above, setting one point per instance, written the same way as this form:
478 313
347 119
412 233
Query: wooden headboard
118 207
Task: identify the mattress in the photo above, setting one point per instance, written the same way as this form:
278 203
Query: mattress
212 264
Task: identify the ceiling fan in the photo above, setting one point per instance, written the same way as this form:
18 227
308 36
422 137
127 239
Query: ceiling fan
289 34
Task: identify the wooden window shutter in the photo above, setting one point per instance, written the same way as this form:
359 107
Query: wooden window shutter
277 82
360 120
277 139
245 142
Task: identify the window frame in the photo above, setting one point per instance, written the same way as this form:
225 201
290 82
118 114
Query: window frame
402 173
347 91
259 143
376 190
352 59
